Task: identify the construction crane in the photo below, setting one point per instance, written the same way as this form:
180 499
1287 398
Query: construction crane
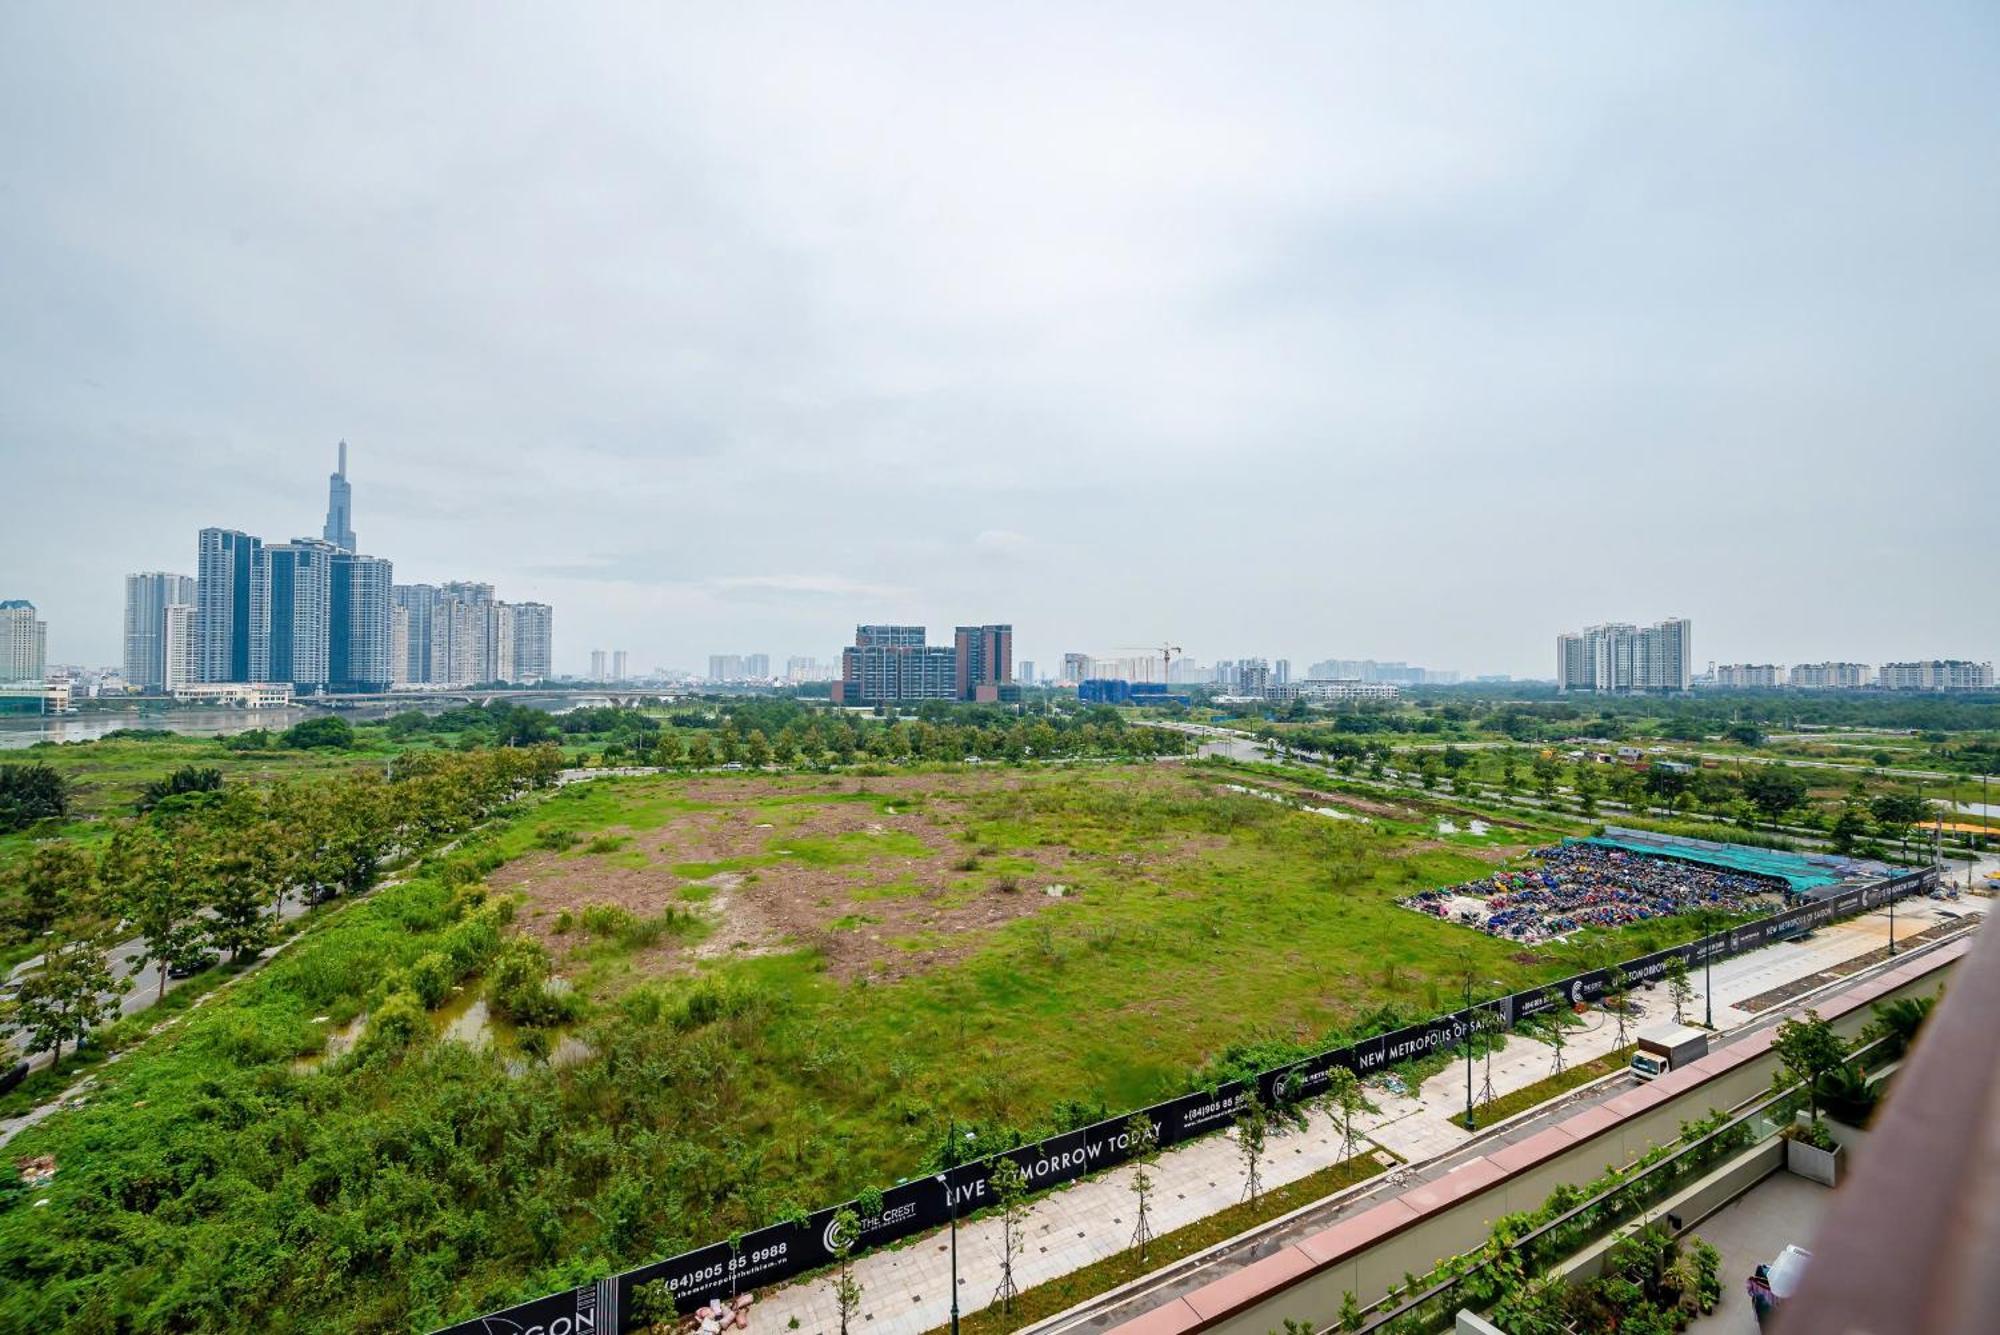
1165 651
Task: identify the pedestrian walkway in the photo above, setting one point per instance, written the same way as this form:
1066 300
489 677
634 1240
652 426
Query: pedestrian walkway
906 1290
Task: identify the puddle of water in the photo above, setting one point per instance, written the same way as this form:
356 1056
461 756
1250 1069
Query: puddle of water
464 1018
467 1019
338 1042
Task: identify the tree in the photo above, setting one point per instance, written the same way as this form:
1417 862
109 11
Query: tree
1774 790
1679 989
246 861
669 752
57 880
29 793
1143 1138
1618 1000
314 733
1895 813
163 889
1744 734
1252 1128
71 992
1848 827
1010 1187
1587 786
1344 1101
1809 1049
1545 771
1666 785
846 1290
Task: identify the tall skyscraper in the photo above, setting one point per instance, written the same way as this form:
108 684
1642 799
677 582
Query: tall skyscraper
1618 656
1027 672
597 665
399 643
340 506
148 595
757 667
1281 672
418 603
618 660
291 631
358 623
984 660
24 642
534 635
226 566
177 647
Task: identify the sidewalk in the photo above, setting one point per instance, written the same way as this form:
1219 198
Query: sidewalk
906 1290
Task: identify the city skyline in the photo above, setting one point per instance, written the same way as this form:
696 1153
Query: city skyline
1327 365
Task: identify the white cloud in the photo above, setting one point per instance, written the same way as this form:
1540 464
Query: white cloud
1418 332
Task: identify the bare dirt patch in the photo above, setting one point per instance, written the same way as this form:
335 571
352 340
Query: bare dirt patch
801 874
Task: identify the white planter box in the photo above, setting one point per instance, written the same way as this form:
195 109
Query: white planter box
1813 1163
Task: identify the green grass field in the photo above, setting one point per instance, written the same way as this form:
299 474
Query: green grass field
791 984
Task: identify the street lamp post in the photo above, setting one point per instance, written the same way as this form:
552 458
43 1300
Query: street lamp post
951 1202
1470 1125
1708 969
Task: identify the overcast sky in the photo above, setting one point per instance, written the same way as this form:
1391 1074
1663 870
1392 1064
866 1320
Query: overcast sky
1394 331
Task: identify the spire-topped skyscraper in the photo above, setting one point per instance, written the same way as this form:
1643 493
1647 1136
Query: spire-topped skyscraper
340 506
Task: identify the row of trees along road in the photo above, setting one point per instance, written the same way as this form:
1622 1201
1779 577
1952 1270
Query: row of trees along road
204 871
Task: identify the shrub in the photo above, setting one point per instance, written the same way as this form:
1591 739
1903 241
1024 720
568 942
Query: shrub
396 1025
186 779
472 942
314 733
517 986
431 978
556 839
605 919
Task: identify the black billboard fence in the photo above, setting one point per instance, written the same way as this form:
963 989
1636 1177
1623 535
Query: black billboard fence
783 1251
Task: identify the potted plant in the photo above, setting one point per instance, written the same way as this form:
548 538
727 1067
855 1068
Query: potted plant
1812 1152
1810 1051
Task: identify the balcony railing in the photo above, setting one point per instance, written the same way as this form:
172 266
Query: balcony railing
1477 1280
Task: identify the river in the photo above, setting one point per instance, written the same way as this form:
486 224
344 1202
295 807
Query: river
16 733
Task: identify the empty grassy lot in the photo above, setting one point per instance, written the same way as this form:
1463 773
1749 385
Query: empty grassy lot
790 983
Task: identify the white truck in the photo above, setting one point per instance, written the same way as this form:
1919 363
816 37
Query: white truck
1668 1047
